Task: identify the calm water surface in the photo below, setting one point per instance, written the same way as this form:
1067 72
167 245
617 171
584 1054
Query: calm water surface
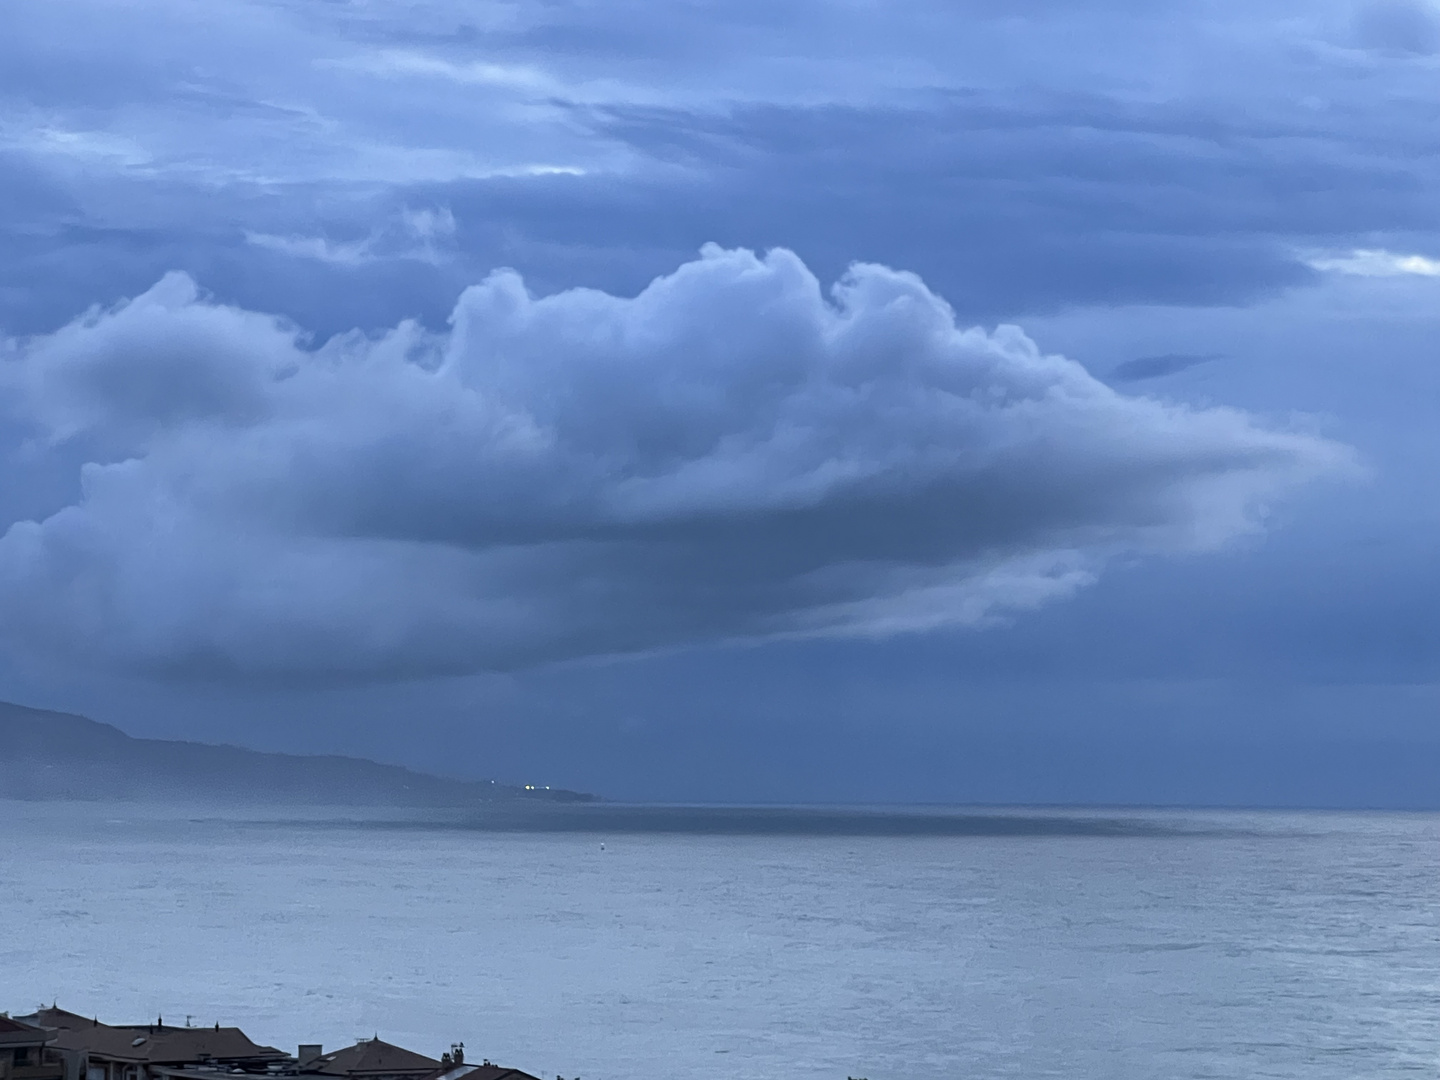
1095 945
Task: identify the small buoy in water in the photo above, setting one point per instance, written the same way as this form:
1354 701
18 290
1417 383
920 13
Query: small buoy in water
602 847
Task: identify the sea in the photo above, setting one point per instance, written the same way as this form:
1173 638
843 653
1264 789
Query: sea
673 943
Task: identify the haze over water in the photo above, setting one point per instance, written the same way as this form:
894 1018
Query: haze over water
992 944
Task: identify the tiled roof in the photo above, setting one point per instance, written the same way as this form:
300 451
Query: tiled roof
59 1018
149 1043
19 1033
374 1057
497 1072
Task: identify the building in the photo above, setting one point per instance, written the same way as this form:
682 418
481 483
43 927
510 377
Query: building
371 1059
485 1071
26 1053
375 1059
91 1050
74 1047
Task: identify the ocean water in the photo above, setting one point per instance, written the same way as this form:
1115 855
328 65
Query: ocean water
795 944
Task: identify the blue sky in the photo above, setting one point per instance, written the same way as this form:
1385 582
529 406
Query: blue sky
934 401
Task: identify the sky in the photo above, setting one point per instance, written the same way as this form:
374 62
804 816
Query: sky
790 401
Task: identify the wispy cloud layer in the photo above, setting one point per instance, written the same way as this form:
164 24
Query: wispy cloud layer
423 235
728 455
1023 159
1377 263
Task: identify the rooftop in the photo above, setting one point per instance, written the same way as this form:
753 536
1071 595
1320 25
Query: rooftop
373 1057
158 1044
487 1071
209 1053
18 1033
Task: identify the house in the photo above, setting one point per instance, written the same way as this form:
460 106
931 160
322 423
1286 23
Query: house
74 1047
375 1059
91 1050
486 1071
453 1066
372 1059
26 1053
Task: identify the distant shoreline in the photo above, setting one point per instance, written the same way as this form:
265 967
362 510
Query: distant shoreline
48 755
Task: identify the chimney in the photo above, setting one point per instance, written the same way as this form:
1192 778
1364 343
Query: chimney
308 1053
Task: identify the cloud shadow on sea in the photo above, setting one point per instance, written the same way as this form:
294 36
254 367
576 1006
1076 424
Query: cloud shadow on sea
632 819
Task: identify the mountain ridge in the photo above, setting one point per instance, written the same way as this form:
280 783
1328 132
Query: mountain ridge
47 755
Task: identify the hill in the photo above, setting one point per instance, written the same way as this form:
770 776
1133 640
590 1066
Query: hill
55 755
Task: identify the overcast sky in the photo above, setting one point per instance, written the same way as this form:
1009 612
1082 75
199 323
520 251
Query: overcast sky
811 400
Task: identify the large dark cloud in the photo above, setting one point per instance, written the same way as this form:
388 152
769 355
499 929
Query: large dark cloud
202 488
728 455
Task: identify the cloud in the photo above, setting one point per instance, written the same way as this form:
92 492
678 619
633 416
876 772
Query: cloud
417 234
1371 262
1025 161
1154 367
729 455
395 63
34 136
1398 26
320 248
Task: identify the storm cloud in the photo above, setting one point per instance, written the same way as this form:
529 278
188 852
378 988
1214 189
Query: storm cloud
732 454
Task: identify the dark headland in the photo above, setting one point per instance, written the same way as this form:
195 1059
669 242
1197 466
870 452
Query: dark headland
55 755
